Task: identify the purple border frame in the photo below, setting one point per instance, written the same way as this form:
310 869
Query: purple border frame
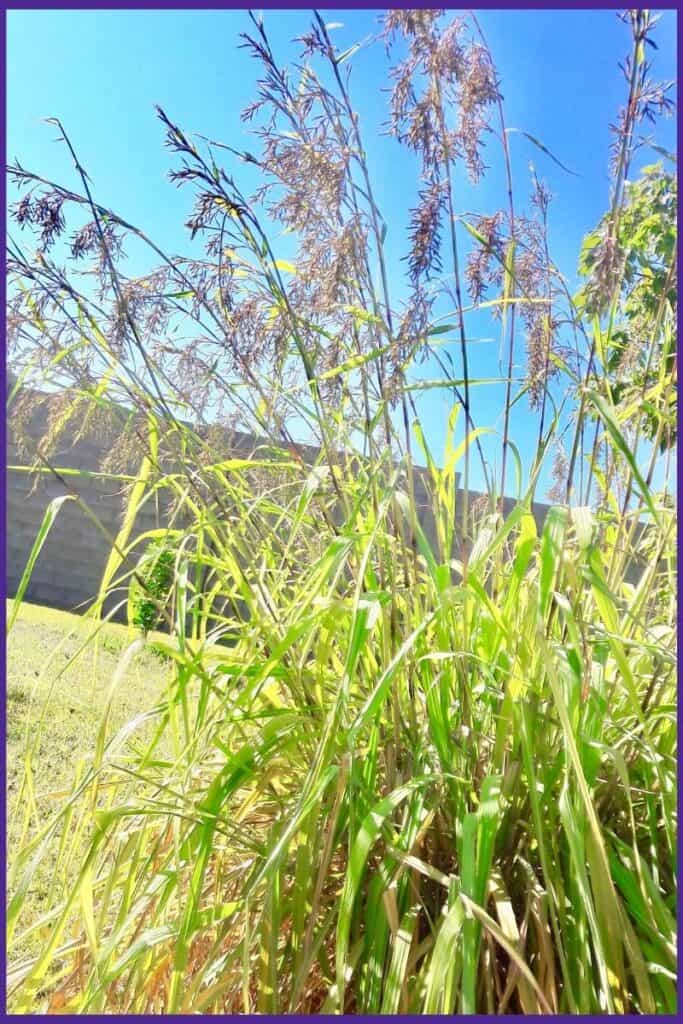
3 533
269 5
205 5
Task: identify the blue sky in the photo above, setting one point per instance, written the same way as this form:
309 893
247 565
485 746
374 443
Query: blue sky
101 73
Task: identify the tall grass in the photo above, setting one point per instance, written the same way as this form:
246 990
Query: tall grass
420 760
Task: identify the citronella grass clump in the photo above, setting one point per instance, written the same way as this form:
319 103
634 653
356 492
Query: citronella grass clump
434 770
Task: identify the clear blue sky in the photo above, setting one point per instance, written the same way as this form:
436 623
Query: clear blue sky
101 73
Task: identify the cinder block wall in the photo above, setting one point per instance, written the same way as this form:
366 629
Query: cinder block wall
69 569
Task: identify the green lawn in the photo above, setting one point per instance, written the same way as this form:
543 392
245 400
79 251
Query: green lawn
54 708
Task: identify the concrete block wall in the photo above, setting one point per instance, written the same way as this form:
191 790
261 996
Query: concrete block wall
71 563
69 569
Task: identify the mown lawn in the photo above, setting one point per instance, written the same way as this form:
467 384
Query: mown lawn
54 709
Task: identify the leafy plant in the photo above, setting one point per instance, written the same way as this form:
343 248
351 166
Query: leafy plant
642 351
151 588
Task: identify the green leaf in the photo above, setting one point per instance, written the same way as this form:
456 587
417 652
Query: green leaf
354 363
402 943
622 444
543 149
360 851
49 518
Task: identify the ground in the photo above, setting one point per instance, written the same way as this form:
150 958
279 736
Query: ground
55 707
